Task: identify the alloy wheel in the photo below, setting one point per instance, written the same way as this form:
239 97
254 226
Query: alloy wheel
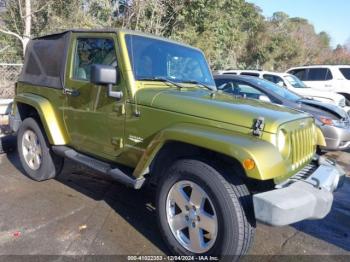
191 216
31 149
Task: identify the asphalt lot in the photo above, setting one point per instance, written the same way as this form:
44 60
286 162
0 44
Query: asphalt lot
82 213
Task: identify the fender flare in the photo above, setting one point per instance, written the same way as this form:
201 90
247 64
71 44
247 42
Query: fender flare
53 125
268 161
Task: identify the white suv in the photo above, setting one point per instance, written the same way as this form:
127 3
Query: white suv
294 84
334 78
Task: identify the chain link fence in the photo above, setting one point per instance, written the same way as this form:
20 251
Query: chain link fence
8 76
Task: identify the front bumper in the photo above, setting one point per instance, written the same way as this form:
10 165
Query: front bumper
337 138
306 195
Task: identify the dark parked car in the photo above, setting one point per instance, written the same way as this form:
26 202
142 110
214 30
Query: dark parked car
333 121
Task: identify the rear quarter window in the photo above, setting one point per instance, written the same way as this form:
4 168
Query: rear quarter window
319 74
345 72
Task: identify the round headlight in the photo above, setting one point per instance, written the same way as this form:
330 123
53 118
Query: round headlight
281 140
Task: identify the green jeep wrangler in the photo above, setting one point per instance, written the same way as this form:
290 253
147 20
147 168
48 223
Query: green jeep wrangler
145 110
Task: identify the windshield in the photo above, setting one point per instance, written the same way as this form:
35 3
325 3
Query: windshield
295 82
152 58
285 93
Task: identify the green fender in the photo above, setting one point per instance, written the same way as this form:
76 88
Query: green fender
268 161
52 123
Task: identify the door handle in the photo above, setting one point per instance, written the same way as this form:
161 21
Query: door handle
71 92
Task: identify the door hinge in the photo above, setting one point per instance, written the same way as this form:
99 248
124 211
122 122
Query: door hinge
117 142
120 109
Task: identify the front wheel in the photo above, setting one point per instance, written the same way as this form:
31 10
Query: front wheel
202 211
36 156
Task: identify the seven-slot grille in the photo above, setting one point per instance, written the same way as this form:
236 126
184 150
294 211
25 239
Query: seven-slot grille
303 145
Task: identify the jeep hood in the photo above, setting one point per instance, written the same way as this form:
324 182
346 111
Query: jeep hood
217 106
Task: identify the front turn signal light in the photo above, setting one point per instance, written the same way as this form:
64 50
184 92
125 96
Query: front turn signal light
248 164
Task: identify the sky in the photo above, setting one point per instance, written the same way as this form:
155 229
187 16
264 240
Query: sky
331 16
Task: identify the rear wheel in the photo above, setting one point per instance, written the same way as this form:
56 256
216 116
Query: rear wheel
201 211
37 159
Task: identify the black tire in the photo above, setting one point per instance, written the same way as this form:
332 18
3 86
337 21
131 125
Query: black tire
231 200
320 151
51 164
7 144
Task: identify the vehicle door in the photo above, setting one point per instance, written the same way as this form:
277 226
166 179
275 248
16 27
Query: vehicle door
95 121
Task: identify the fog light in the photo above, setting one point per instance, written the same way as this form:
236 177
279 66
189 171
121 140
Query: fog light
248 164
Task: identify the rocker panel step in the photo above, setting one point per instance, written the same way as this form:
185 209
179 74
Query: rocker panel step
99 166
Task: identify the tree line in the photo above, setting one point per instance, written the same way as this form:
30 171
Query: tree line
232 33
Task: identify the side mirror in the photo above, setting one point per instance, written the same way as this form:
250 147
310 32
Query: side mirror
264 98
106 75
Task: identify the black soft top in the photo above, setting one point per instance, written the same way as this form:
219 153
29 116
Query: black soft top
45 60
46 56
78 30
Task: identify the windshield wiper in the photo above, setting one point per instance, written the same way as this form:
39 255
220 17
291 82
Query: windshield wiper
199 83
161 79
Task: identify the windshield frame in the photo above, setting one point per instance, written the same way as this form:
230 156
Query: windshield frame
198 57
